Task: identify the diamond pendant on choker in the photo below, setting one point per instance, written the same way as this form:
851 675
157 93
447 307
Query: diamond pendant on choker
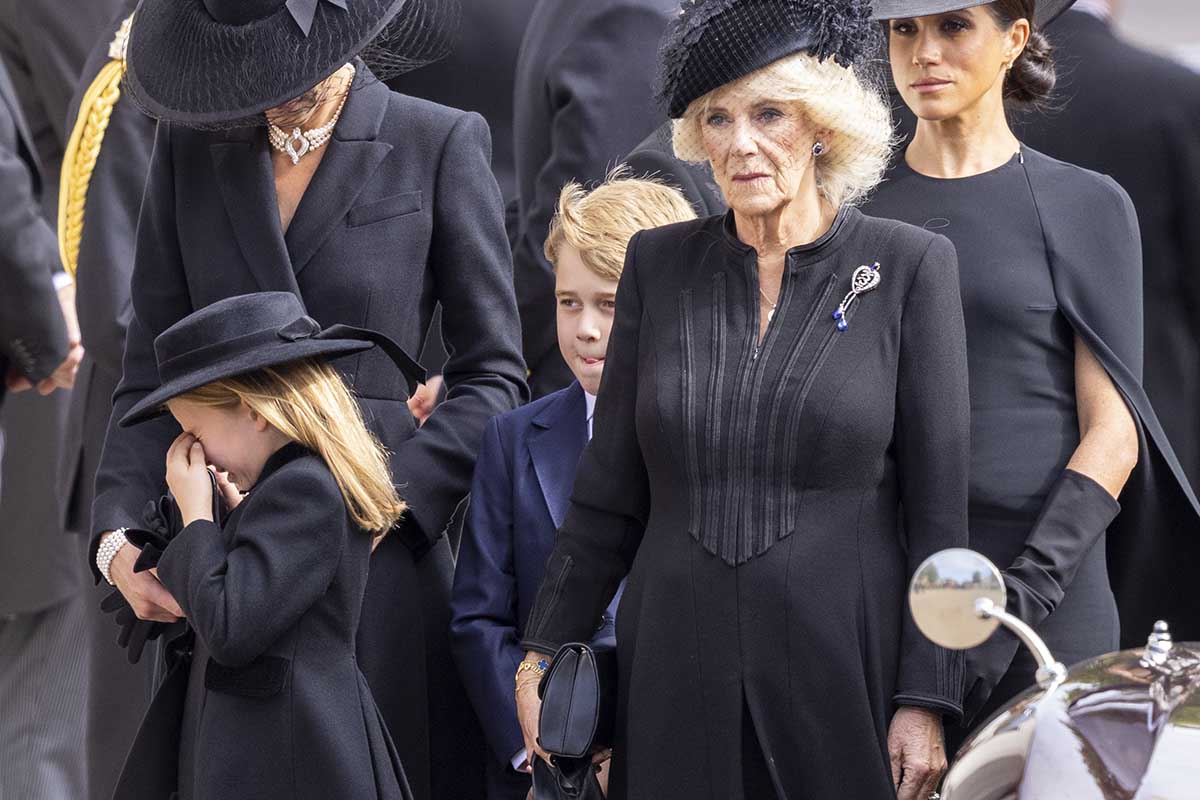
298 143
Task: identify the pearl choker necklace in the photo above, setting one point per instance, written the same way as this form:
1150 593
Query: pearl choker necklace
298 143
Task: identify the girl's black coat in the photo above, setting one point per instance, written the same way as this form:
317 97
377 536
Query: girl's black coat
275 597
402 213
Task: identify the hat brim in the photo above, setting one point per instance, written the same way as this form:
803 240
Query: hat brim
1045 11
284 352
185 67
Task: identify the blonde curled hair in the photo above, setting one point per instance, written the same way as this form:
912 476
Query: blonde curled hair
835 98
308 402
600 223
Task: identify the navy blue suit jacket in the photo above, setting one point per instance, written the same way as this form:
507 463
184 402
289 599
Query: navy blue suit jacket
521 491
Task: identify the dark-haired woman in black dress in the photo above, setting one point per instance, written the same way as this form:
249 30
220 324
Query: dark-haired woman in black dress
1050 271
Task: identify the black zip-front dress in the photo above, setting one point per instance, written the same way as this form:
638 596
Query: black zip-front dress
769 503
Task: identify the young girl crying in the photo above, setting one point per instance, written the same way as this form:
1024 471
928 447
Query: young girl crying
274 704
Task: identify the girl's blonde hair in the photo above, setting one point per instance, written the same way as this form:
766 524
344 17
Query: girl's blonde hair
600 223
839 99
308 402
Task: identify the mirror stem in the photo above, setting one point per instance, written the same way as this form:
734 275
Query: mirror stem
1049 670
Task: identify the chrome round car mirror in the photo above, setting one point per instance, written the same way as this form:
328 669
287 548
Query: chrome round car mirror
943 595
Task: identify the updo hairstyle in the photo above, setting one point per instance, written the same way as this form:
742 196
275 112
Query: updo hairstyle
1031 80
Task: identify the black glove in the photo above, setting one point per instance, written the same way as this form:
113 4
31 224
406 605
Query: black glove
566 779
1075 515
161 522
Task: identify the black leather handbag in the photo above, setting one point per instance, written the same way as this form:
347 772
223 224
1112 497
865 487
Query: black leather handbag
579 709
579 701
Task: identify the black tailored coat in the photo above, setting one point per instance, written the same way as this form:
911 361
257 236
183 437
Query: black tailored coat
401 213
36 572
756 495
1133 115
655 158
273 595
582 101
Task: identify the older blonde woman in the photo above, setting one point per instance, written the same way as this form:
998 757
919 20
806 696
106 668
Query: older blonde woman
781 437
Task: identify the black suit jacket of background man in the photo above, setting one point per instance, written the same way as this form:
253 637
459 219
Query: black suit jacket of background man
582 101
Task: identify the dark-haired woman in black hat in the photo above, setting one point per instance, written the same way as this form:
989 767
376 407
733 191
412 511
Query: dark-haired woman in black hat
1050 269
269 561
784 392
282 162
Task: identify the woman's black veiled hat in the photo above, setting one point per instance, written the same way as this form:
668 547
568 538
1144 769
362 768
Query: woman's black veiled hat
214 62
250 332
1044 11
714 42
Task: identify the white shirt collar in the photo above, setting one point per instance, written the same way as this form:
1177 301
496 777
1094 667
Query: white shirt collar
590 399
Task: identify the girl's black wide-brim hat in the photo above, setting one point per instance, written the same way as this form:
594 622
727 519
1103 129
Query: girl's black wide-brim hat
239 335
714 42
1044 11
210 62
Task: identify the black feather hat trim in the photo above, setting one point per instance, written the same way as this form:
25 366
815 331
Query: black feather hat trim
713 42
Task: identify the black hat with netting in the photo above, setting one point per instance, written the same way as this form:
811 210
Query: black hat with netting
714 42
219 63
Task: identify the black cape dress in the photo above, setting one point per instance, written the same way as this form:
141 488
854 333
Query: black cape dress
755 494
1048 250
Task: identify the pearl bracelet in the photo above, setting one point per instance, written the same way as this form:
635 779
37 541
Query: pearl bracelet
110 545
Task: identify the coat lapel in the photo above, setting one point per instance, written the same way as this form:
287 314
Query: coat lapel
557 441
243 168
353 156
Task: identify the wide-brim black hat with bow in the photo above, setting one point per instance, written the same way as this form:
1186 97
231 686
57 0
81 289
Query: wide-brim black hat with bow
250 332
1044 11
214 62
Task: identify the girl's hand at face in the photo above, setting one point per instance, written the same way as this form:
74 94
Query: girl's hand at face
231 495
187 477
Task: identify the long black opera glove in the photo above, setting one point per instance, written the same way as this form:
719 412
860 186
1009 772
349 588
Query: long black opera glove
1075 515
161 522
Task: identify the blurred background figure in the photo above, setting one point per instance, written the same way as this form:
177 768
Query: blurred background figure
582 103
44 45
103 175
1135 115
42 669
477 76
654 157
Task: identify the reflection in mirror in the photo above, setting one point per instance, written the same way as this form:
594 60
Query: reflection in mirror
942 597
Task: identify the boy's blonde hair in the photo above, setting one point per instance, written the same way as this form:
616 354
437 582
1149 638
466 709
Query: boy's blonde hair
308 402
600 223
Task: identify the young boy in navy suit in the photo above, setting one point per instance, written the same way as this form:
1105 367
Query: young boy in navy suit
527 463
